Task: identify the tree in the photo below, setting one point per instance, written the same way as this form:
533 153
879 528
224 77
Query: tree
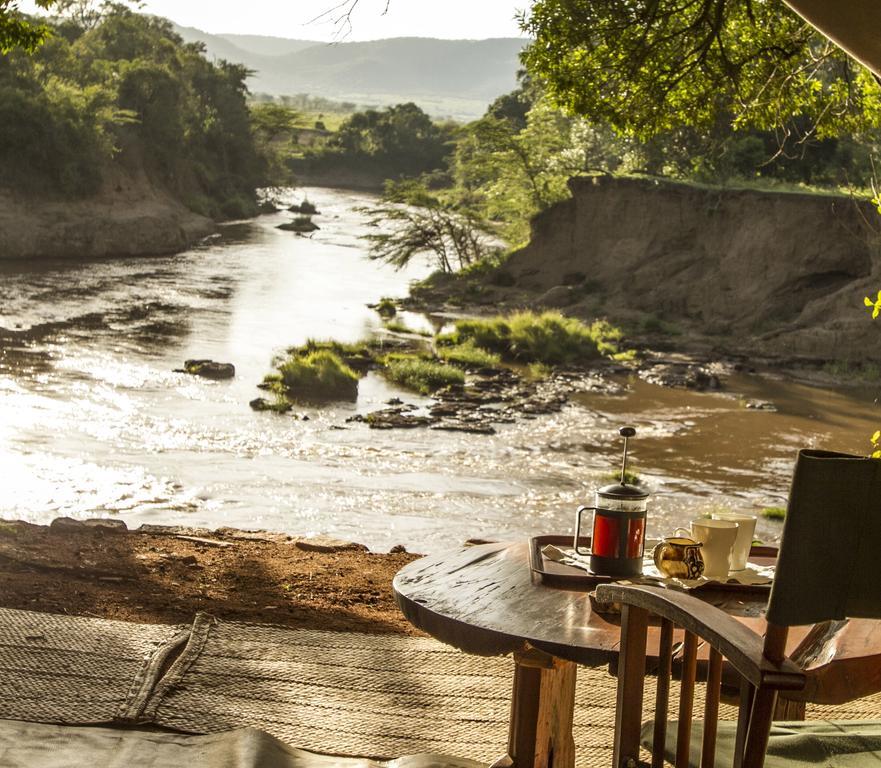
511 173
423 224
272 122
88 14
273 128
515 106
649 66
398 141
20 31
126 91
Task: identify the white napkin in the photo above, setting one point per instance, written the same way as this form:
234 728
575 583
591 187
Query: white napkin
753 575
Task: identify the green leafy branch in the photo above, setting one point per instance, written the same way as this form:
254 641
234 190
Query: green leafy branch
20 31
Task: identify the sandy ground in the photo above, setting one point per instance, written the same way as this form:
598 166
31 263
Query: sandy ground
165 575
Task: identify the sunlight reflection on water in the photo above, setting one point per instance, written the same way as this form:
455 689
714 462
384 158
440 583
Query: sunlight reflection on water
94 420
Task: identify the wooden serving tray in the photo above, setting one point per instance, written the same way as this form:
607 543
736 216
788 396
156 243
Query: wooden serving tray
554 574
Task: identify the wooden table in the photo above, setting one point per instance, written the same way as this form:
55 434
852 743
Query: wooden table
485 600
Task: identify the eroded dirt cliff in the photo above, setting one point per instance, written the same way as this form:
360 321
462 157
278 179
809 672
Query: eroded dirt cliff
130 216
780 273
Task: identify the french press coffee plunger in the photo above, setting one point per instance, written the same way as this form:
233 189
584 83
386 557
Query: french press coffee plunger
618 534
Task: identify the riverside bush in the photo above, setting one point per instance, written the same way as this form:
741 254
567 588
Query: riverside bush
527 337
317 376
420 374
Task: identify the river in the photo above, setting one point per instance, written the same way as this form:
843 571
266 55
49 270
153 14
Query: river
95 422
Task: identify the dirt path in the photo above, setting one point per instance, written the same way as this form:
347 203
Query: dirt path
166 575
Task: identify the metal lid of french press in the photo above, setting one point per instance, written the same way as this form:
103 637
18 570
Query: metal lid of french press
621 489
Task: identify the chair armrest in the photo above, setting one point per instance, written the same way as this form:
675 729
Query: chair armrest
734 640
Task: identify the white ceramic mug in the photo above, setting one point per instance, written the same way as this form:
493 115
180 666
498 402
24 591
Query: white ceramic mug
717 537
746 531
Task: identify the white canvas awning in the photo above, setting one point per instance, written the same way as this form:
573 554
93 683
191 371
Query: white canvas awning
854 25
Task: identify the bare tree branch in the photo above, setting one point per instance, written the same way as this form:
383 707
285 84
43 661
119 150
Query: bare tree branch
340 15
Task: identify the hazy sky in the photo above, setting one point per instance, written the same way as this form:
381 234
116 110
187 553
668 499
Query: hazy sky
291 18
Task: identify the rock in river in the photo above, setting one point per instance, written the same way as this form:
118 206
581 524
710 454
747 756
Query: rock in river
209 369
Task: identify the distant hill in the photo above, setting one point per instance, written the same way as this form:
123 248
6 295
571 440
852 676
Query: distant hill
455 78
243 49
268 46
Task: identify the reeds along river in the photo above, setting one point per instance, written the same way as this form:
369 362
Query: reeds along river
94 422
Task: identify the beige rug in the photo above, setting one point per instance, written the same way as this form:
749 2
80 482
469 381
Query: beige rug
335 692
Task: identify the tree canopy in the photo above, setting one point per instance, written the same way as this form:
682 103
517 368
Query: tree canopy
401 140
649 66
126 90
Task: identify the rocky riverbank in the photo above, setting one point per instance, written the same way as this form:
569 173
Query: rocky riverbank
162 574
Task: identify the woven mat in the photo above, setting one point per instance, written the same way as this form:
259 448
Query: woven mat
351 694
334 692
67 669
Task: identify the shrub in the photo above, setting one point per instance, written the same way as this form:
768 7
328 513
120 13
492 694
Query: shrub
549 338
299 224
237 206
305 207
421 374
318 376
386 307
469 356
774 513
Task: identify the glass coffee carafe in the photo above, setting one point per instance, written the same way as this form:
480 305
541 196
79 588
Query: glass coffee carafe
618 532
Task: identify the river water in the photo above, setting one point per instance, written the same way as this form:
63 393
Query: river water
95 422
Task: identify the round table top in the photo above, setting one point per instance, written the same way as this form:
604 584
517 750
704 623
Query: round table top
486 600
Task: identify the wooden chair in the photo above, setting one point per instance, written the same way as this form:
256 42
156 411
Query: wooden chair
828 568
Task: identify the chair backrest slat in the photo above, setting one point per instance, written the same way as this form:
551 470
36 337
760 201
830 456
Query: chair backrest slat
631 682
711 709
662 697
686 700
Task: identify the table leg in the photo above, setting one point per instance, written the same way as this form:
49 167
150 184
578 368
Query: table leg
788 709
540 729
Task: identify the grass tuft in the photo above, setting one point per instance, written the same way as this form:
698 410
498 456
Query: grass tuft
527 337
399 326
774 513
469 356
631 477
539 371
358 355
318 375
421 374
